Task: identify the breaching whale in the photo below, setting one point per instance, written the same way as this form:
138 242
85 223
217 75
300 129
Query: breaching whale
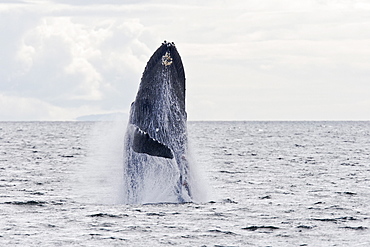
156 167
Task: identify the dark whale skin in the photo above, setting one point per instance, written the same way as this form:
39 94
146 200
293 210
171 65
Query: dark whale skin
156 136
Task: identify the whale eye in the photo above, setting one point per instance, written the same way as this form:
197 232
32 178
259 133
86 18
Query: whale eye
166 59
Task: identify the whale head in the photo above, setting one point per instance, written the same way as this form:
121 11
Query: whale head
158 112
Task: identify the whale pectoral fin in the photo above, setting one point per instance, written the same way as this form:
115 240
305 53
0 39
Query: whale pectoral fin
143 143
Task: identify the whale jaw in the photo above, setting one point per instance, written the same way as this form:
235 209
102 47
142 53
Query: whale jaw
143 143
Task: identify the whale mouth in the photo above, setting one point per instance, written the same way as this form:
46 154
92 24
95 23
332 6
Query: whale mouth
144 143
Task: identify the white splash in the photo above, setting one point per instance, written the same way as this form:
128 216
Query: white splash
102 179
101 175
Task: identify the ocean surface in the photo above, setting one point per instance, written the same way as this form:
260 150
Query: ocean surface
264 184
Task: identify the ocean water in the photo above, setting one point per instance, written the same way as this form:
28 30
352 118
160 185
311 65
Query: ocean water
263 184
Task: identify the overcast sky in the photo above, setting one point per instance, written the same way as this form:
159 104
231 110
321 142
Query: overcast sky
244 59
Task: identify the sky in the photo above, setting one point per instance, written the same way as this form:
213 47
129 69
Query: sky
243 59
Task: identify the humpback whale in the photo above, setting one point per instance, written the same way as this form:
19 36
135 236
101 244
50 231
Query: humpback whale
156 168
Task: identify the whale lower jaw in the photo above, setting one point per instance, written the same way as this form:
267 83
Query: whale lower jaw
144 143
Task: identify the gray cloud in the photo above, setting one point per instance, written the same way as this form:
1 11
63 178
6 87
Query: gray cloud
12 1
243 59
97 2
68 63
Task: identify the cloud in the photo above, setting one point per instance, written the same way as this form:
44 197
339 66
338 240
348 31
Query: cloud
12 1
98 2
71 62
243 59
14 108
